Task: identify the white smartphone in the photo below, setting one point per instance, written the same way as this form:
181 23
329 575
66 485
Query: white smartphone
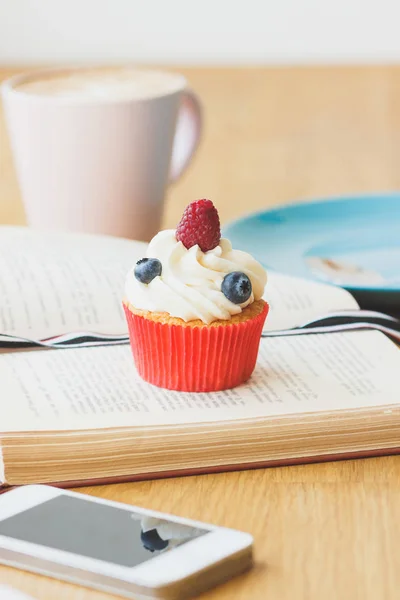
9 593
114 547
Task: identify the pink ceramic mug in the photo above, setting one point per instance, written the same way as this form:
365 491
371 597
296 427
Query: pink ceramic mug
99 159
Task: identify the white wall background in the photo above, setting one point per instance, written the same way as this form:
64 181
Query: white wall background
199 31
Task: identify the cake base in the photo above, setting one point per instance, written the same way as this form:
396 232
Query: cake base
193 356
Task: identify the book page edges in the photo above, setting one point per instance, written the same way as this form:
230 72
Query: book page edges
220 469
2 468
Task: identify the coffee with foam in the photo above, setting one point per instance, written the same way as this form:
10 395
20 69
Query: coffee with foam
102 84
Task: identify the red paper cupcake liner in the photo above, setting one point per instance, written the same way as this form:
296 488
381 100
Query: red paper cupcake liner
195 359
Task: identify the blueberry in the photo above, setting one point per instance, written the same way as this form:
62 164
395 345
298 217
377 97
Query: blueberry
146 269
236 287
152 541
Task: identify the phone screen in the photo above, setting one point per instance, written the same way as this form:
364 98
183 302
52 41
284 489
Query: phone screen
98 531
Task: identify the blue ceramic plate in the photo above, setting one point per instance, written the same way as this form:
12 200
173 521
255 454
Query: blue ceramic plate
351 242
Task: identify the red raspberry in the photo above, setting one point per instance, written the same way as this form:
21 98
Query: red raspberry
199 225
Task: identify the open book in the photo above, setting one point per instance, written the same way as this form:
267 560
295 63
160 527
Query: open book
78 415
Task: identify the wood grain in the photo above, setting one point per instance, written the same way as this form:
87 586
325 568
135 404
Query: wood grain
271 136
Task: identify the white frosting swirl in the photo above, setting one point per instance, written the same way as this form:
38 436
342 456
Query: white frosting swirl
189 286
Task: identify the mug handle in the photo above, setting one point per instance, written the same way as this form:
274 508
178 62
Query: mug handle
187 134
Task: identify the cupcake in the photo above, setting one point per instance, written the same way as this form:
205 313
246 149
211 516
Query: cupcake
194 307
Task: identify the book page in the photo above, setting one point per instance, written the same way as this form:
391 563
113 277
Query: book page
99 388
54 283
294 301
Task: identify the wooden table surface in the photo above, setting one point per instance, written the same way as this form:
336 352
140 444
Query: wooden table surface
324 531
